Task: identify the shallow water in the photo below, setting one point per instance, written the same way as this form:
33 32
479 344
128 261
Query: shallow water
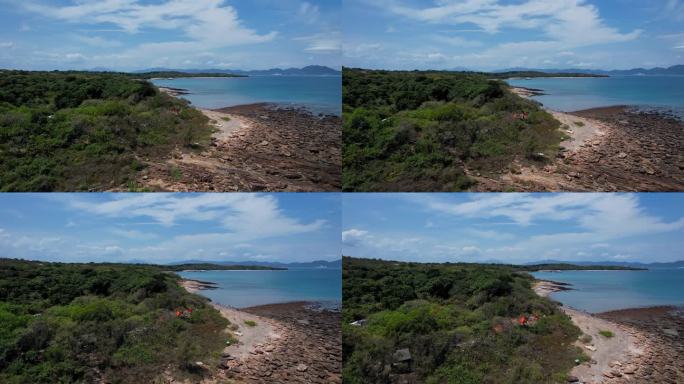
600 291
572 94
241 289
318 94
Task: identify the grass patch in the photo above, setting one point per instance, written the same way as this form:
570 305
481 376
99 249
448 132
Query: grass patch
225 118
579 123
176 173
251 323
605 333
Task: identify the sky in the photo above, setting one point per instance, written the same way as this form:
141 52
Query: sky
139 34
500 34
164 228
514 227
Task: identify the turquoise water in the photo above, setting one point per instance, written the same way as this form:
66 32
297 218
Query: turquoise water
600 291
241 289
573 94
319 94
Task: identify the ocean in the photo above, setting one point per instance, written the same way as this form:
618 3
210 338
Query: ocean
600 291
573 94
241 289
318 94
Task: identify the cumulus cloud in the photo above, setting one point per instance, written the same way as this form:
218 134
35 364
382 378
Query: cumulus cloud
521 227
556 26
352 237
243 215
329 42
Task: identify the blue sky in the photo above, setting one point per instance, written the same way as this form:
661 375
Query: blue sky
161 228
498 34
514 227
139 34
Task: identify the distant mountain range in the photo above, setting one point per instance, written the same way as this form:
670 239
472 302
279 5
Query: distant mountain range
311 70
336 264
674 70
674 264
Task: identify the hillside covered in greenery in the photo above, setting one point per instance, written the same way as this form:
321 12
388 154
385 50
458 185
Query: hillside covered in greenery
88 323
450 324
79 131
421 131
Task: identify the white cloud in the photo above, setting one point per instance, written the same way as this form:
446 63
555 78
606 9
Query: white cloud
244 216
206 25
558 26
471 250
7 45
309 12
570 21
97 41
353 237
329 42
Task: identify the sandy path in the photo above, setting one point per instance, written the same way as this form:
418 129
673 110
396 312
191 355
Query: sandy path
579 130
608 355
251 339
226 124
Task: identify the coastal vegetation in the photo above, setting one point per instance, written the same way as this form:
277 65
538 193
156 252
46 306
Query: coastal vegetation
82 131
114 323
434 131
451 323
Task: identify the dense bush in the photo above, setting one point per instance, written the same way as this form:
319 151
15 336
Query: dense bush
419 131
83 323
458 322
86 131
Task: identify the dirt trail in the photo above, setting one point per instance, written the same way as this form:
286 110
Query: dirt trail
611 357
290 343
608 149
226 124
255 148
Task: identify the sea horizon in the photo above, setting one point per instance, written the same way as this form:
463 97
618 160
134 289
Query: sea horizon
318 285
596 291
662 93
317 94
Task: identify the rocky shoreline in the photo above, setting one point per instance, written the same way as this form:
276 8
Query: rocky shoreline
646 344
269 149
296 342
310 350
661 333
625 150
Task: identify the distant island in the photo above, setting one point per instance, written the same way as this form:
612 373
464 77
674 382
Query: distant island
574 267
311 70
672 70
